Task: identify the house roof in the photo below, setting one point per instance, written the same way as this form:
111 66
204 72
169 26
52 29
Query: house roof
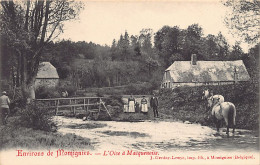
208 71
47 70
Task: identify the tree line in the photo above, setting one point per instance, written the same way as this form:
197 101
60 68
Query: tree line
29 27
142 57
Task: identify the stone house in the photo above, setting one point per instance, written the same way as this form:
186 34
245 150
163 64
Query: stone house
47 75
198 73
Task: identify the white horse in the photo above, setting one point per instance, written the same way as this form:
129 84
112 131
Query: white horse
212 99
226 111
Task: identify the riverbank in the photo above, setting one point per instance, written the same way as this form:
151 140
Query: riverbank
14 136
185 104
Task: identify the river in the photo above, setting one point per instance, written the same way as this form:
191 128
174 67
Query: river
158 135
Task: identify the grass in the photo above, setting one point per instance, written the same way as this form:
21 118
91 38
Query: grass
15 136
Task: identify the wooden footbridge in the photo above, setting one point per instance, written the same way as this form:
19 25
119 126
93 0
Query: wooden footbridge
83 105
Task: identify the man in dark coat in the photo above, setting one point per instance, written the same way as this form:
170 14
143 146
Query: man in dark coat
154 104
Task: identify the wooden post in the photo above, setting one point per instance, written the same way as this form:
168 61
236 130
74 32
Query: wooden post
106 110
57 106
84 103
73 107
70 106
88 104
99 105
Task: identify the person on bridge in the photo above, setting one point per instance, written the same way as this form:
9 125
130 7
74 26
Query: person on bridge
144 108
154 104
131 104
4 107
64 94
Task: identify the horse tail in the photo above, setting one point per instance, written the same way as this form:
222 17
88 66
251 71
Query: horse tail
232 114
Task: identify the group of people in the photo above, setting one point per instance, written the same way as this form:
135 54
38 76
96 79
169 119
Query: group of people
133 106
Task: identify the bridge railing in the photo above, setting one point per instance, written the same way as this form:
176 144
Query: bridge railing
72 103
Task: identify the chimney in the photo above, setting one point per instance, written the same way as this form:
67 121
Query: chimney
194 59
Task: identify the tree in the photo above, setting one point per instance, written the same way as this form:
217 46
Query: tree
215 47
236 53
145 40
27 27
192 42
168 41
176 57
243 19
113 50
135 45
159 37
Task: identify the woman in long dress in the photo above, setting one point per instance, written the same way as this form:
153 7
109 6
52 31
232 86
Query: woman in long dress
144 108
131 104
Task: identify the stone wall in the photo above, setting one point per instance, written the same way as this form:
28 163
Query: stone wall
46 82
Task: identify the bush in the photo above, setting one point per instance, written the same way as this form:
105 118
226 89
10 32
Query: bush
46 92
245 97
36 116
17 99
67 86
114 100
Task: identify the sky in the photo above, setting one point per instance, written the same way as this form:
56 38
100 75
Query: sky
100 22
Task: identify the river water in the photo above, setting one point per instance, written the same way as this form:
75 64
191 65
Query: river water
158 135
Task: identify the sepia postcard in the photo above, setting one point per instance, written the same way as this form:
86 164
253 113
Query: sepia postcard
129 82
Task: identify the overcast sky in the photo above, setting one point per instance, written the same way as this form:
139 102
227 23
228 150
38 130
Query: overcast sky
101 22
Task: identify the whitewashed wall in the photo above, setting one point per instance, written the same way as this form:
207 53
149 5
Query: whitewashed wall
46 82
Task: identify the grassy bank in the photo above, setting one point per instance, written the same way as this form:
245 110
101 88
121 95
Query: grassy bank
185 103
14 136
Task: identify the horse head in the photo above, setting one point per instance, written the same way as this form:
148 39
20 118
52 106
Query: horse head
210 102
205 94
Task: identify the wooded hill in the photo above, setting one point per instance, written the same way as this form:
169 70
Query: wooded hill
134 58
141 58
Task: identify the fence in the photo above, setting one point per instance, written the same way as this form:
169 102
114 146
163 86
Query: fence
72 103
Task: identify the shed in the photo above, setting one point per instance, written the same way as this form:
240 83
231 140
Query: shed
47 75
198 73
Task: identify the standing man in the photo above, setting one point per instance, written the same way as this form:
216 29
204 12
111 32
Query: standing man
154 104
4 105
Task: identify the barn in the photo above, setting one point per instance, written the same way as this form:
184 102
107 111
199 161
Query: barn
47 75
198 73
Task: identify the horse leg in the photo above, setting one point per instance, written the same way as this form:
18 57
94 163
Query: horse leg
227 124
234 120
227 130
218 125
234 126
216 122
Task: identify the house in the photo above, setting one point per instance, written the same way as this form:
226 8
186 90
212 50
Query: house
47 75
198 73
